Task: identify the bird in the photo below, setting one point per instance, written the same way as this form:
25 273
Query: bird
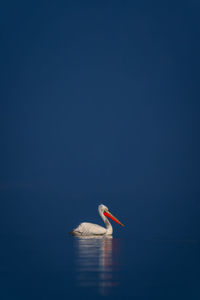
90 229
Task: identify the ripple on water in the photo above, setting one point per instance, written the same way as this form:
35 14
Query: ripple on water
96 261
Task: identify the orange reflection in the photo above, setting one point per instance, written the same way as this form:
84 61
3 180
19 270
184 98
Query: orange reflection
97 262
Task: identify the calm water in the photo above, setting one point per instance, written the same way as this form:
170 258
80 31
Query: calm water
59 267
100 104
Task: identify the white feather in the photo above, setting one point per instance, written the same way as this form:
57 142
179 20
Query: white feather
89 229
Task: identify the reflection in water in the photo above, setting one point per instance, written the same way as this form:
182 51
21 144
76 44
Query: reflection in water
97 262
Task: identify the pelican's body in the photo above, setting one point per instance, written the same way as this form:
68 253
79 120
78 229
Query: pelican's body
93 229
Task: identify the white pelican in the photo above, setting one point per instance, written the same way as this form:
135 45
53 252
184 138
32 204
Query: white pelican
89 229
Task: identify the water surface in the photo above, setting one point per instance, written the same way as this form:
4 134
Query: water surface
97 263
59 267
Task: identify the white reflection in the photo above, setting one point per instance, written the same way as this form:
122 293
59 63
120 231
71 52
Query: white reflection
96 262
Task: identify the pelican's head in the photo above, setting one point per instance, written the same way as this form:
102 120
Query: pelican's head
103 210
102 207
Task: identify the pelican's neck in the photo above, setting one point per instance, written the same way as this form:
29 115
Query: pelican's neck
107 223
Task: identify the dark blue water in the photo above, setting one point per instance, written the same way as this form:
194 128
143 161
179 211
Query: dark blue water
100 104
46 264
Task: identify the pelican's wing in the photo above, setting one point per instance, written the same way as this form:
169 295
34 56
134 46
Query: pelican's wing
89 229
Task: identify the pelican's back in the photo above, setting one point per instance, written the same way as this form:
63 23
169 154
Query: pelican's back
89 229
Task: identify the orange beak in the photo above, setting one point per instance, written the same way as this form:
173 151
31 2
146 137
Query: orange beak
109 215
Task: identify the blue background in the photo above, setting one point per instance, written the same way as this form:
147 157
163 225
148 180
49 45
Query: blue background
99 104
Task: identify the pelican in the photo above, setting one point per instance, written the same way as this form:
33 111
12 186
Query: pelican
89 229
